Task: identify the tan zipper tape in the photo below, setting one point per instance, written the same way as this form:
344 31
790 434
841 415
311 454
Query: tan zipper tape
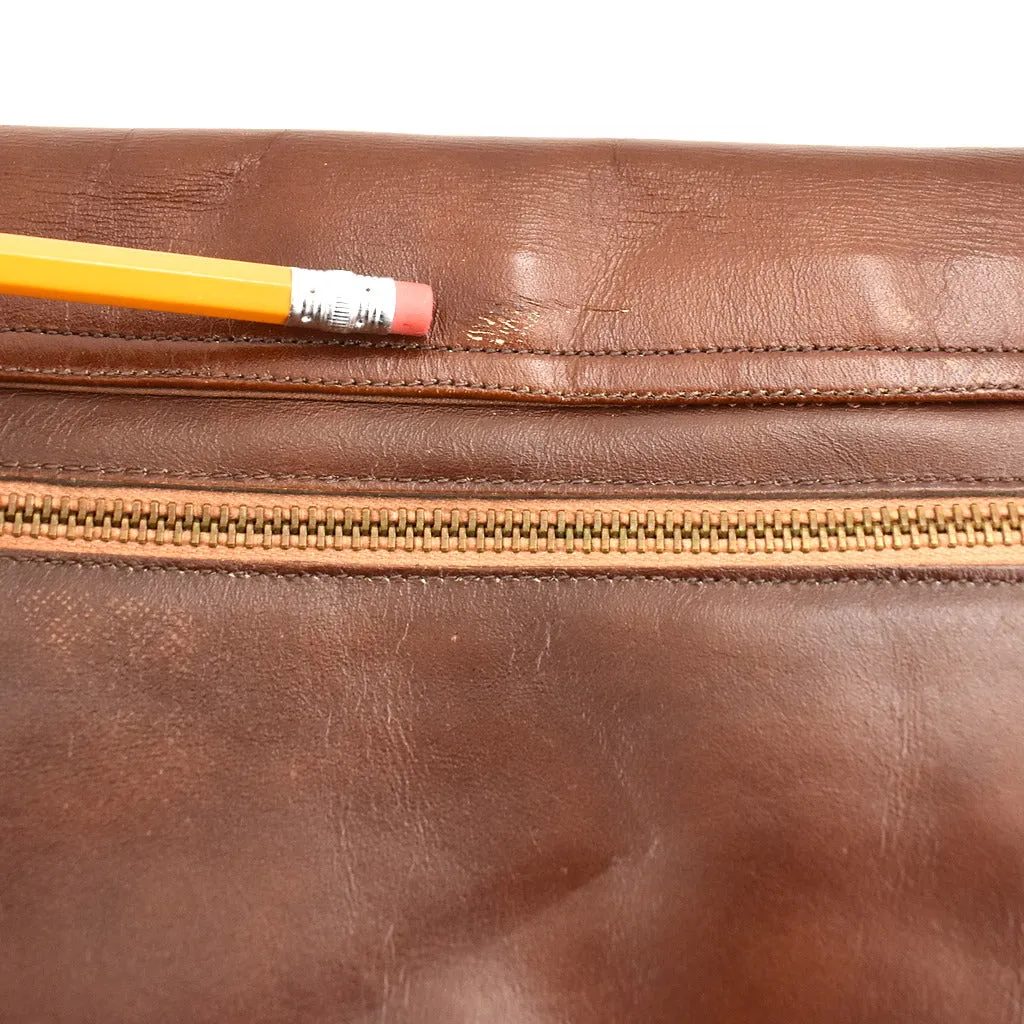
302 529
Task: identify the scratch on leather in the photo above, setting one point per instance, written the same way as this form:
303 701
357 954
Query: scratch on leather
499 326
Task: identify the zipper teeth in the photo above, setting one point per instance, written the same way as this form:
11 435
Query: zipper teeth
491 530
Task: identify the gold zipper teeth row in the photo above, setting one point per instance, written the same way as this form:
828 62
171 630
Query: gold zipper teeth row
416 529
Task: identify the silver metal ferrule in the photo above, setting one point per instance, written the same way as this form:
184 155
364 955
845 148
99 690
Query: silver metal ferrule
343 302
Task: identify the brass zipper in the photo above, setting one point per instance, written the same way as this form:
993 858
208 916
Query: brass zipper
355 531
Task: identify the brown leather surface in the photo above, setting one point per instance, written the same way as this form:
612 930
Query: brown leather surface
276 798
398 448
237 794
606 246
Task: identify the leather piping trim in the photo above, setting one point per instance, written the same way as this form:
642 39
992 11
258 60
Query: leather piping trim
367 343
755 394
418 577
184 474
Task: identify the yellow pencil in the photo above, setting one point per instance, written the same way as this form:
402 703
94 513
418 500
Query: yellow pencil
331 300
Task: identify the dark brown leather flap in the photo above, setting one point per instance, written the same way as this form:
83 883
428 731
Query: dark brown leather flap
580 271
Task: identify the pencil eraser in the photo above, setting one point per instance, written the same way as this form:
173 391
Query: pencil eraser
414 308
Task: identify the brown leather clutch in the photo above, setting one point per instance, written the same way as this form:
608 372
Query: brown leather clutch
644 645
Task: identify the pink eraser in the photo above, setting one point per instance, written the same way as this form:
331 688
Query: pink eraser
414 308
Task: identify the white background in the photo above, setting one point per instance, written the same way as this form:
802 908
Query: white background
857 73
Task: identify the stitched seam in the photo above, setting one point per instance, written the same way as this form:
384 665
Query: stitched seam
520 390
412 346
333 477
551 577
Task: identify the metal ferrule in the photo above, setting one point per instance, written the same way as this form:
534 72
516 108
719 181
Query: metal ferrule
343 302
